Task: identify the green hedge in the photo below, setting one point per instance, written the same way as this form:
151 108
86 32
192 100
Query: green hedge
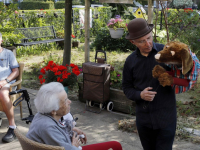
60 5
31 5
37 0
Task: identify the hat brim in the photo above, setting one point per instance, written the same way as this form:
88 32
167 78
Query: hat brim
129 37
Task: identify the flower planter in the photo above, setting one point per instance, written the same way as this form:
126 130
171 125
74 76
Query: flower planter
60 44
116 34
75 44
120 101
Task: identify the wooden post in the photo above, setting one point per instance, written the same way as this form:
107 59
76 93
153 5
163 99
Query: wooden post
150 12
67 40
87 30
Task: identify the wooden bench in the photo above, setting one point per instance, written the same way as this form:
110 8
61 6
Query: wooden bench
33 35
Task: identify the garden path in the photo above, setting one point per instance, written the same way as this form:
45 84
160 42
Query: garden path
98 127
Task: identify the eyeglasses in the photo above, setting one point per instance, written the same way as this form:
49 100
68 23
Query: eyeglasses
143 42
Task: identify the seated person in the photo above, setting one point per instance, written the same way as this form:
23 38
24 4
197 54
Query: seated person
9 69
52 103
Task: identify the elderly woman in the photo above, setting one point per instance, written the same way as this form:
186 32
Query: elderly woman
52 103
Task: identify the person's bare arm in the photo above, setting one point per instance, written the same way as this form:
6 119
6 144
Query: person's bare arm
12 76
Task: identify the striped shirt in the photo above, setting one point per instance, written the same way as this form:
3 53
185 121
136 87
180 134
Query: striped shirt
192 75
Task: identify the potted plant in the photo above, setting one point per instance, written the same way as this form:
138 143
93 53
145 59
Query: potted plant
75 42
67 75
116 27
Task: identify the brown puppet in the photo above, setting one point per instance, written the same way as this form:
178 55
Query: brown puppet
183 63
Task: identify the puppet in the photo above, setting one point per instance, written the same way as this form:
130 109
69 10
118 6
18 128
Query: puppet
183 64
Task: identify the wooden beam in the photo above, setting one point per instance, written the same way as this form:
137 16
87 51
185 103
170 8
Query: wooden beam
87 30
67 41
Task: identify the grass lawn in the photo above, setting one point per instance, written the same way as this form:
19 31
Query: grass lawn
34 63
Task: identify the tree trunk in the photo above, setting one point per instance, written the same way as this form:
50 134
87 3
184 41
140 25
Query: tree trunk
87 30
150 12
67 40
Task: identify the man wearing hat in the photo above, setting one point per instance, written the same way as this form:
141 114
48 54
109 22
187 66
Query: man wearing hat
155 105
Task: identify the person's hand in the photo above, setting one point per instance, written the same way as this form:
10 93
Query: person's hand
2 83
83 140
148 95
75 140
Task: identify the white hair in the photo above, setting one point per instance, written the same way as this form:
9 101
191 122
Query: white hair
47 98
0 36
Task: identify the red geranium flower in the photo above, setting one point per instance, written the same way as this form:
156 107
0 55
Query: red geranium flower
67 75
73 36
42 71
40 76
55 69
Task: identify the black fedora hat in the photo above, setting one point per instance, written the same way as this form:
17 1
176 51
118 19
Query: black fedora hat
138 28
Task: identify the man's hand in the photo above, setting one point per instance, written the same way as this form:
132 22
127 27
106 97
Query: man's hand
2 83
148 95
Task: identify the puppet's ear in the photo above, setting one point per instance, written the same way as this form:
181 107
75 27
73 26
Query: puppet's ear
172 52
187 62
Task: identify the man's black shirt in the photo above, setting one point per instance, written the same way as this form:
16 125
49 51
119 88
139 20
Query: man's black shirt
137 75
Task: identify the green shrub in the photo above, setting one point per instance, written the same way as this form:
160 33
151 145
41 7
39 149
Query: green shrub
31 5
9 38
76 2
60 5
6 13
103 41
100 16
184 26
35 49
116 79
39 0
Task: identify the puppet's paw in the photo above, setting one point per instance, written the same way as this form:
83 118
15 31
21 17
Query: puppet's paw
165 79
157 71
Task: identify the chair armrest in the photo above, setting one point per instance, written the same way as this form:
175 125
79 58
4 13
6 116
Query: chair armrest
15 84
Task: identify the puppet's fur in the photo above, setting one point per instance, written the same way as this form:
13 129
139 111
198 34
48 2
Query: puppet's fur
175 53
